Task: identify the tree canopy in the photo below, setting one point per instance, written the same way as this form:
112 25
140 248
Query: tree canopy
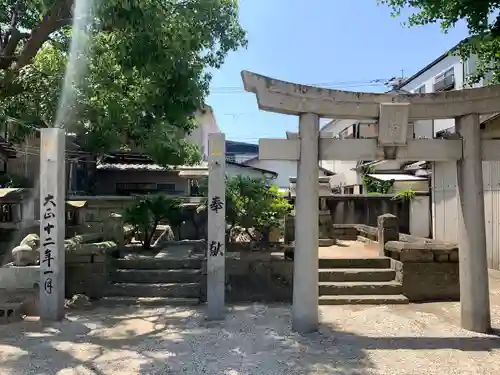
148 69
482 20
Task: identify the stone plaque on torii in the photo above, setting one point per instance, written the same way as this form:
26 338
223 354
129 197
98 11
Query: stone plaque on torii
394 142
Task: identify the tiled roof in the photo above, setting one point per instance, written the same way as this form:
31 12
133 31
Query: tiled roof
185 170
148 167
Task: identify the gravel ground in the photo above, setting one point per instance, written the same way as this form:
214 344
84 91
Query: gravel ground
415 339
256 339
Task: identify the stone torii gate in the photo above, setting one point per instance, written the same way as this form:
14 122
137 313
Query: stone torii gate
393 113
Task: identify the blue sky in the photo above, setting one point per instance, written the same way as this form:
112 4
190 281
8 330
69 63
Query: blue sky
341 43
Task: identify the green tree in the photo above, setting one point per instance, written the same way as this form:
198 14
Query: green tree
252 203
483 25
148 212
374 186
148 70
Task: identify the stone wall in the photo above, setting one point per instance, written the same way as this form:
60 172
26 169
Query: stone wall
256 273
324 223
86 274
351 210
428 269
365 209
87 265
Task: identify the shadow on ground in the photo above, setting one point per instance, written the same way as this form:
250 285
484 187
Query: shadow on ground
252 340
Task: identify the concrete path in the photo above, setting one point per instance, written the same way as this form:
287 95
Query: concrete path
349 249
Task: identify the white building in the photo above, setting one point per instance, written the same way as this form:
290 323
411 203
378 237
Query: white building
285 169
207 124
449 72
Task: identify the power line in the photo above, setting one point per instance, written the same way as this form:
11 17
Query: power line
339 84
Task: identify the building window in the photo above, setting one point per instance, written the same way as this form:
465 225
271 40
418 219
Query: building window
135 188
349 190
6 215
445 81
420 90
167 188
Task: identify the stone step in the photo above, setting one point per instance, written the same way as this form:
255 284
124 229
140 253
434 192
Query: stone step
148 301
360 288
181 275
357 274
159 264
396 299
381 262
178 290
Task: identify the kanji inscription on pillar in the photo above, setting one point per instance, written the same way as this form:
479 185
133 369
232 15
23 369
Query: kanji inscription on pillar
52 224
216 226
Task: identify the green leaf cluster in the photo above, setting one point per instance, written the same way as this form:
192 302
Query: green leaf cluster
482 19
149 211
374 186
148 70
253 203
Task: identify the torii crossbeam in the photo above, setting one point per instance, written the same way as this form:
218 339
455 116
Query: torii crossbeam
392 113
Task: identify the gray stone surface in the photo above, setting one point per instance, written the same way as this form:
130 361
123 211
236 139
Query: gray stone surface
253 340
24 255
166 236
388 230
305 281
216 243
32 240
52 223
428 281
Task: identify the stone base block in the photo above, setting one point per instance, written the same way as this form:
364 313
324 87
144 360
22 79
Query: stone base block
428 281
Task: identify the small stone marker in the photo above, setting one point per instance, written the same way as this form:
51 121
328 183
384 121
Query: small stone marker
52 223
216 249
388 230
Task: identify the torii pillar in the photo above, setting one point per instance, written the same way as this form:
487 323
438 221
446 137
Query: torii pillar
393 114
305 266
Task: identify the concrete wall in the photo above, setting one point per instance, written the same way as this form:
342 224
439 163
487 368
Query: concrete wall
445 203
364 209
357 209
420 216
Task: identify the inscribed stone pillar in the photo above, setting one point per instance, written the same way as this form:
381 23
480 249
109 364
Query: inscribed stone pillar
474 288
216 251
52 223
305 271
388 230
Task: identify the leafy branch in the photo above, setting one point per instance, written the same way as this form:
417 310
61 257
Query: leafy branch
374 186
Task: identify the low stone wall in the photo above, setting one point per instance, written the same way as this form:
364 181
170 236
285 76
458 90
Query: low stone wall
86 274
252 277
256 272
428 269
324 223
